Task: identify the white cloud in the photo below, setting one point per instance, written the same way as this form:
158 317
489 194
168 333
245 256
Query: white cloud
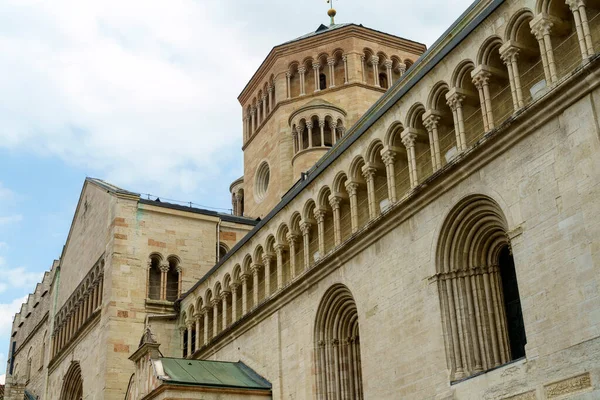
2 379
7 313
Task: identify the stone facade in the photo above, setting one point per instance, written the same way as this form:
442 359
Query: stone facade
446 247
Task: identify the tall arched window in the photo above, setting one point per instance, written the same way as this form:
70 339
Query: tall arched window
173 279
322 81
479 296
154 281
383 80
337 346
72 384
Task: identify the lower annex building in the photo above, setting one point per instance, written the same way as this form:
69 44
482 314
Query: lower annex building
411 224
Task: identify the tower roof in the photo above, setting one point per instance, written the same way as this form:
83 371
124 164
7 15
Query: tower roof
321 29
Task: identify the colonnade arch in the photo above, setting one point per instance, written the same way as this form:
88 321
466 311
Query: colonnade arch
72 388
499 65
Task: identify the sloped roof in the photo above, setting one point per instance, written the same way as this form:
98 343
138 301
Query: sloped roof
321 29
211 373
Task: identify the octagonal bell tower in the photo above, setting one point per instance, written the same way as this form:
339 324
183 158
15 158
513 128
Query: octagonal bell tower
301 100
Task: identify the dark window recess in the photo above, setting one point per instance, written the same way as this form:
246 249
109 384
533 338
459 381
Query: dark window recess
383 82
322 82
185 343
512 305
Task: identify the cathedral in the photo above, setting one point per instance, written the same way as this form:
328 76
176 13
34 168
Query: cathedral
412 223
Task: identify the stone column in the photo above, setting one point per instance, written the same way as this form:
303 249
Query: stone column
189 326
292 238
259 112
267 260
316 68
322 126
179 280
409 138
254 124
305 229
300 131
389 158
331 63
352 189
279 251
309 126
197 318
224 295
363 68
334 202
271 90
264 109
388 66
244 279
320 218
402 69
454 101
238 198
481 79
332 128
509 56
375 64
368 172
301 72
149 264
585 26
163 282
288 76
215 306
255 270
541 27
205 313
234 294
431 119
295 140
345 59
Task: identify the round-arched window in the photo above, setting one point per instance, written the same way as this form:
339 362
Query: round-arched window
262 180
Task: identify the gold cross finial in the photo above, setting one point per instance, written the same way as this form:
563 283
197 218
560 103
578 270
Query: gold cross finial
331 12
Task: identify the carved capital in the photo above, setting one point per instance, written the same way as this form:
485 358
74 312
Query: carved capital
321 123
352 188
215 302
388 64
292 238
401 68
299 129
244 278
270 88
280 248
388 157
234 287
408 139
164 268
574 5
309 125
368 172
455 101
319 215
431 122
267 258
288 74
509 54
302 70
334 202
481 78
225 294
331 61
344 58
256 268
305 228
374 60
316 66
541 26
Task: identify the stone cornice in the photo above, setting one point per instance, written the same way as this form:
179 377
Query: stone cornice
578 84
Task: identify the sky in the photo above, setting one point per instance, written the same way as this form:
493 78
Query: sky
142 94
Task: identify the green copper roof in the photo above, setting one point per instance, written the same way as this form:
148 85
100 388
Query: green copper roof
211 373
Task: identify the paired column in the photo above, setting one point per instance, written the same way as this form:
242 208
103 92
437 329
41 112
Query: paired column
331 64
288 77
224 295
363 69
509 54
481 80
368 172
215 305
189 327
164 269
305 229
345 60
388 66
320 218
409 137
541 27
205 312
198 318
352 189
454 100
389 158
271 90
322 126
234 296
431 120
292 238
583 27
255 271
264 103
316 69
301 72
375 64
279 249
253 116
402 69
334 202
300 131
267 261
244 279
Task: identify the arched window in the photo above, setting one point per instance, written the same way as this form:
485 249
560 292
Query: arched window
154 281
173 280
262 181
72 384
479 296
322 81
383 81
223 249
337 346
